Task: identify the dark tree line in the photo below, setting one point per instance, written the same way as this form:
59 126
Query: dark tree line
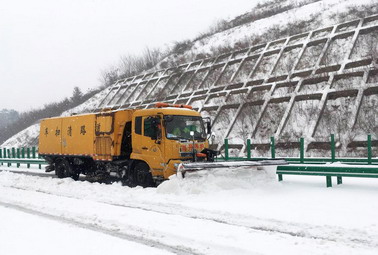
28 118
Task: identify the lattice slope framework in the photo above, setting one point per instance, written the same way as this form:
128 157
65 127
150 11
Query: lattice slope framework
307 85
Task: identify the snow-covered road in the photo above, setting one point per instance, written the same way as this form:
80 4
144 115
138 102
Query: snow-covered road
28 232
226 212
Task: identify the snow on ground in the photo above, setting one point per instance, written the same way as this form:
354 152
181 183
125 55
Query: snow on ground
218 212
24 233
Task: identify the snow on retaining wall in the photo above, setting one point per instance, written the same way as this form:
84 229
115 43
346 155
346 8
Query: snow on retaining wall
308 85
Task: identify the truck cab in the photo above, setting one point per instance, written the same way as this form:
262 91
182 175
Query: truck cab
164 137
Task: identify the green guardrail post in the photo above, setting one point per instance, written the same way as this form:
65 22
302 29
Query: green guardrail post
4 153
333 149
9 156
18 156
226 156
272 147
13 152
248 148
1 153
33 152
28 153
329 181
369 149
23 152
249 152
301 140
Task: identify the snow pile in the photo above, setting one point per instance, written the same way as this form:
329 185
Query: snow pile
220 180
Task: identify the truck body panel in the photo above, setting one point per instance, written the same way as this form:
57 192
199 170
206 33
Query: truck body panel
119 135
50 139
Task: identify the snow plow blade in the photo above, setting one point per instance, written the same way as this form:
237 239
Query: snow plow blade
199 166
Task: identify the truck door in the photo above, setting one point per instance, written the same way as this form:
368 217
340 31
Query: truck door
104 128
146 146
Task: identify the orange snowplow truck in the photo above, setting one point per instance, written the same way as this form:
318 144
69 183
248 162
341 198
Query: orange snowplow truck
141 146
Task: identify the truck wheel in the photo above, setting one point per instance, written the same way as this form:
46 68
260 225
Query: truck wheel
64 169
142 175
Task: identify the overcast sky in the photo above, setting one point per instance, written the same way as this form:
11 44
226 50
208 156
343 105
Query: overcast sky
49 47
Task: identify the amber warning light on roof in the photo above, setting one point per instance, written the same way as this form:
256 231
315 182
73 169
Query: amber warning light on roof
160 105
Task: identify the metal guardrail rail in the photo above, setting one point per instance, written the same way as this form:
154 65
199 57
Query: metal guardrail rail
328 172
28 162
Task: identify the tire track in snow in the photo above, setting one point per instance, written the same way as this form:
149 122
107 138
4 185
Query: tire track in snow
148 242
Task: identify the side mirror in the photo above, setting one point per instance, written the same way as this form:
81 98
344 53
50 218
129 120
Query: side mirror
211 138
207 120
208 127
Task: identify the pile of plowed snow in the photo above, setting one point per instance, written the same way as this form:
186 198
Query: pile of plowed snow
202 182
220 179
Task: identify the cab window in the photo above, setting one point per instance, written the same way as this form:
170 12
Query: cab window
138 125
147 128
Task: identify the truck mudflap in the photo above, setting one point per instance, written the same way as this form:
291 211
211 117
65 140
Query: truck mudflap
183 168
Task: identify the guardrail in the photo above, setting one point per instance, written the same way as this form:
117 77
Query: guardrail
368 160
19 153
28 156
28 162
356 167
328 172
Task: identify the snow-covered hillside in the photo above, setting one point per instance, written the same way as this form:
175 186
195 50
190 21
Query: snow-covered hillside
266 96
311 14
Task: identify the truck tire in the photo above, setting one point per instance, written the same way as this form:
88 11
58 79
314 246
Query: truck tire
142 176
64 169
61 168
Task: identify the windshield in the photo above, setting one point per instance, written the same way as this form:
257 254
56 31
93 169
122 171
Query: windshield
179 127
